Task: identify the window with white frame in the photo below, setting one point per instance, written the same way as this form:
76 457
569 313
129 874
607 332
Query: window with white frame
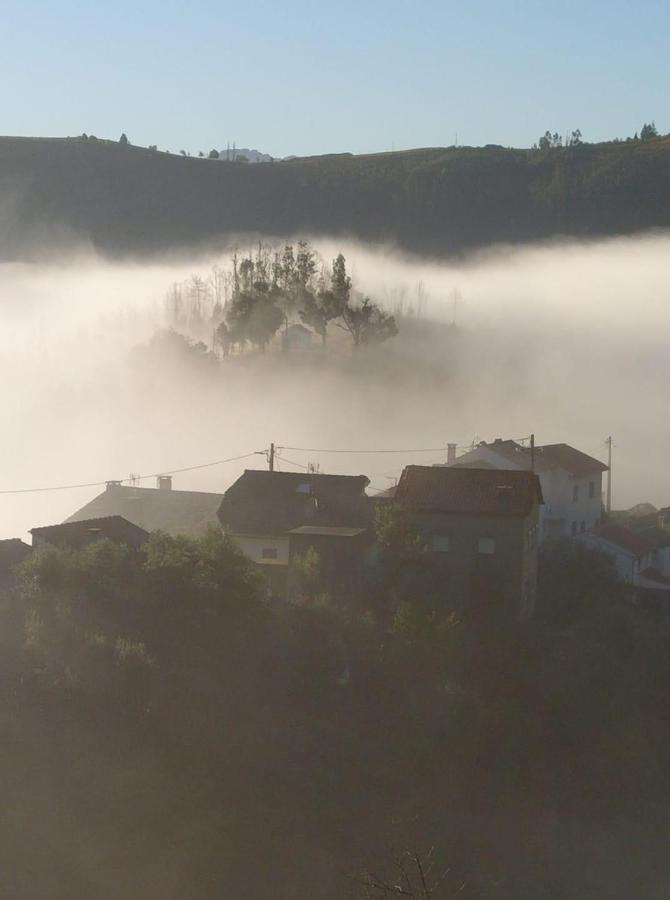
486 546
440 543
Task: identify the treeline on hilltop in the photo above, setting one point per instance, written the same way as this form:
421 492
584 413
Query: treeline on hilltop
129 200
268 290
168 734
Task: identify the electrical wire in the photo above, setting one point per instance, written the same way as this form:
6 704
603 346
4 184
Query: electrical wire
331 450
67 487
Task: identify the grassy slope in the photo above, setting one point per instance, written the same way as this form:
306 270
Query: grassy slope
437 200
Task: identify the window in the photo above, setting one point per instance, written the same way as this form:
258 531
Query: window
574 529
575 493
304 488
487 545
440 543
592 490
269 553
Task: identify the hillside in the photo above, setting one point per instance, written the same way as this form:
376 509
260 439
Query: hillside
127 199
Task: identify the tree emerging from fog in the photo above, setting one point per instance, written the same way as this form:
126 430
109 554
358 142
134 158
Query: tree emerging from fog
264 294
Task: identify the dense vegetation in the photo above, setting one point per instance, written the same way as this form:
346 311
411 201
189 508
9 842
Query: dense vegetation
272 288
166 734
126 199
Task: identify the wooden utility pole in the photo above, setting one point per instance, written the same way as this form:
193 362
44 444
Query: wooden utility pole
532 453
608 506
271 457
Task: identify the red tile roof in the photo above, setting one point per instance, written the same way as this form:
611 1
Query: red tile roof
624 538
493 492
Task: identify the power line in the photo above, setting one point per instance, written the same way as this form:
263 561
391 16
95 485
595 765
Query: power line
67 487
331 450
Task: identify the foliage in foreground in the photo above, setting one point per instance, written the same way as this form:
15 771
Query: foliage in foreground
278 752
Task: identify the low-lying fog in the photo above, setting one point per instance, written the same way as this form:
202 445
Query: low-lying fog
569 341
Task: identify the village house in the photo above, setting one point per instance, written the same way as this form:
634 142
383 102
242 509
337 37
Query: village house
641 558
76 535
277 516
484 525
13 551
571 481
155 509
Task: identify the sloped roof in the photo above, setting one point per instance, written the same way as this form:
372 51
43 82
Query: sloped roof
624 538
262 502
12 552
177 512
78 534
563 456
496 492
549 456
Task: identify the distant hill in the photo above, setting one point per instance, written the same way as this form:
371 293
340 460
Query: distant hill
252 156
127 199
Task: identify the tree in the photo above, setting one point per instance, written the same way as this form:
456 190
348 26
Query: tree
222 338
367 323
124 139
648 131
550 141
575 138
253 314
213 154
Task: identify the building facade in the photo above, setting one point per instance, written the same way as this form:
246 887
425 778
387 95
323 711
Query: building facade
571 482
483 527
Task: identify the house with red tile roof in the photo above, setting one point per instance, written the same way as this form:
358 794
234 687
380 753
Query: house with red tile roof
631 552
482 524
571 481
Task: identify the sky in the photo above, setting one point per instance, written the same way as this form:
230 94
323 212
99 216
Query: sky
308 78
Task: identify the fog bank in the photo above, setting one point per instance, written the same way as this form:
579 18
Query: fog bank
567 341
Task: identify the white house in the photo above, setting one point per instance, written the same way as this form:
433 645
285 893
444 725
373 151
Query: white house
631 553
571 482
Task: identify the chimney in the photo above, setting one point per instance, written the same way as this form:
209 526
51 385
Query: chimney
164 482
451 454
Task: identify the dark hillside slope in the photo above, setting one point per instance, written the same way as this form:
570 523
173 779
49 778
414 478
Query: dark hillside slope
127 199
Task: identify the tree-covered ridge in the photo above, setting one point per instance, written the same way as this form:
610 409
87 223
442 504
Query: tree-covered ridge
126 199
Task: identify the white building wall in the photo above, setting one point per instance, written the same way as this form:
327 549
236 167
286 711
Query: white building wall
628 566
575 501
560 509
254 545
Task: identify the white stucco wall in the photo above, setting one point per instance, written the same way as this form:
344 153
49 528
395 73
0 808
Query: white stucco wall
585 512
252 545
558 492
628 566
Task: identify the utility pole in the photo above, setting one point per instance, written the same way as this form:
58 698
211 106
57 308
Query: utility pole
271 457
532 453
608 506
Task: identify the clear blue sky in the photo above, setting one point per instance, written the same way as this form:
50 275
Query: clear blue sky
312 77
